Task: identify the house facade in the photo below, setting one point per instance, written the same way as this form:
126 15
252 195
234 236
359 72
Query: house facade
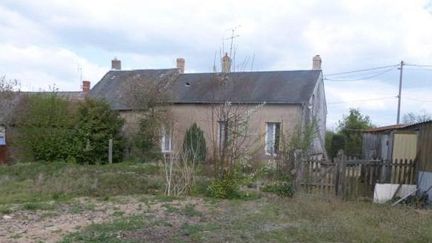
275 104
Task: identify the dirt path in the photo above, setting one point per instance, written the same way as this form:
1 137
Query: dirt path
52 225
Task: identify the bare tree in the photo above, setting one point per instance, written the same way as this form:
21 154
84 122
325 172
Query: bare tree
412 117
232 141
8 99
149 98
179 171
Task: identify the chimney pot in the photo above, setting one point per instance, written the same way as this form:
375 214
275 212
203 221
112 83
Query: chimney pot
181 64
115 64
316 62
85 87
226 64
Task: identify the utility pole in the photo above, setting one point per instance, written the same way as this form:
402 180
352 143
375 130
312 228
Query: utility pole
400 91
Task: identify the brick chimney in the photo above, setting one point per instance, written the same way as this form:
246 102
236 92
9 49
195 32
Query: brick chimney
116 64
181 64
86 87
226 64
316 62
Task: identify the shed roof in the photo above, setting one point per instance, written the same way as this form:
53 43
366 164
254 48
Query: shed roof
274 87
385 128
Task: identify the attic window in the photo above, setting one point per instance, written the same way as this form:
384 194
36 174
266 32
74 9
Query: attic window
187 84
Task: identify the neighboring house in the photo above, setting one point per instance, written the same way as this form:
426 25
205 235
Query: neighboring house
284 101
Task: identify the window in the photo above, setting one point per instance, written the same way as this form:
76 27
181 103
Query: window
272 138
2 135
223 134
166 141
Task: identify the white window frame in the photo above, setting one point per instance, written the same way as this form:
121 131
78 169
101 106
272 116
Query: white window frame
270 149
166 134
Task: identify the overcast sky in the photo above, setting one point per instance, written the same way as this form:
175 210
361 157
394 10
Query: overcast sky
43 43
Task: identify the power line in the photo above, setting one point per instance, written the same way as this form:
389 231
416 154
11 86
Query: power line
419 68
418 65
415 99
361 70
362 78
348 101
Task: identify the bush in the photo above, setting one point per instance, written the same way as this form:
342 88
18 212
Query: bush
52 128
146 141
45 125
281 188
227 187
194 144
96 124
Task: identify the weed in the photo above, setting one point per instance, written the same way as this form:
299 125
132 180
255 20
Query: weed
5 210
34 206
169 208
190 211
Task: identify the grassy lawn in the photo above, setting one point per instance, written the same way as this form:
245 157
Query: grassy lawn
34 182
305 218
123 203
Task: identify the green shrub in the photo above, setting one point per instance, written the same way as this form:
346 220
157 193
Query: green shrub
45 127
146 141
194 144
281 188
52 128
96 124
227 187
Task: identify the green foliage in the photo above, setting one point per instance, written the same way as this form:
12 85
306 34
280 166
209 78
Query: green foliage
194 144
96 124
45 123
334 142
302 139
227 187
282 188
46 181
351 127
147 138
52 128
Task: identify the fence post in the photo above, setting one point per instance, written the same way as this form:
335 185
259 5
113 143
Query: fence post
336 161
110 150
342 176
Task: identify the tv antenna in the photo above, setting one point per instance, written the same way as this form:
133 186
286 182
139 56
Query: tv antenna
232 37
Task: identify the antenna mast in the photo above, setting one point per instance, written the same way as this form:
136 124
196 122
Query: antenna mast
232 37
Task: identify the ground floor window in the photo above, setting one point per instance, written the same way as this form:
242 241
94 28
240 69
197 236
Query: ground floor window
272 138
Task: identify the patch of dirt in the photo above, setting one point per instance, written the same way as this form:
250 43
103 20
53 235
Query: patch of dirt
52 225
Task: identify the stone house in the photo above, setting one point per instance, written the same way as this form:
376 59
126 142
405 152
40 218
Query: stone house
282 102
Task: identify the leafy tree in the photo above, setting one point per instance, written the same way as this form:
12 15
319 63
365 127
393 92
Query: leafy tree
147 138
45 124
194 144
96 124
351 128
329 135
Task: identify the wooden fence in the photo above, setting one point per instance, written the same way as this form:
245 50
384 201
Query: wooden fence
353 178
